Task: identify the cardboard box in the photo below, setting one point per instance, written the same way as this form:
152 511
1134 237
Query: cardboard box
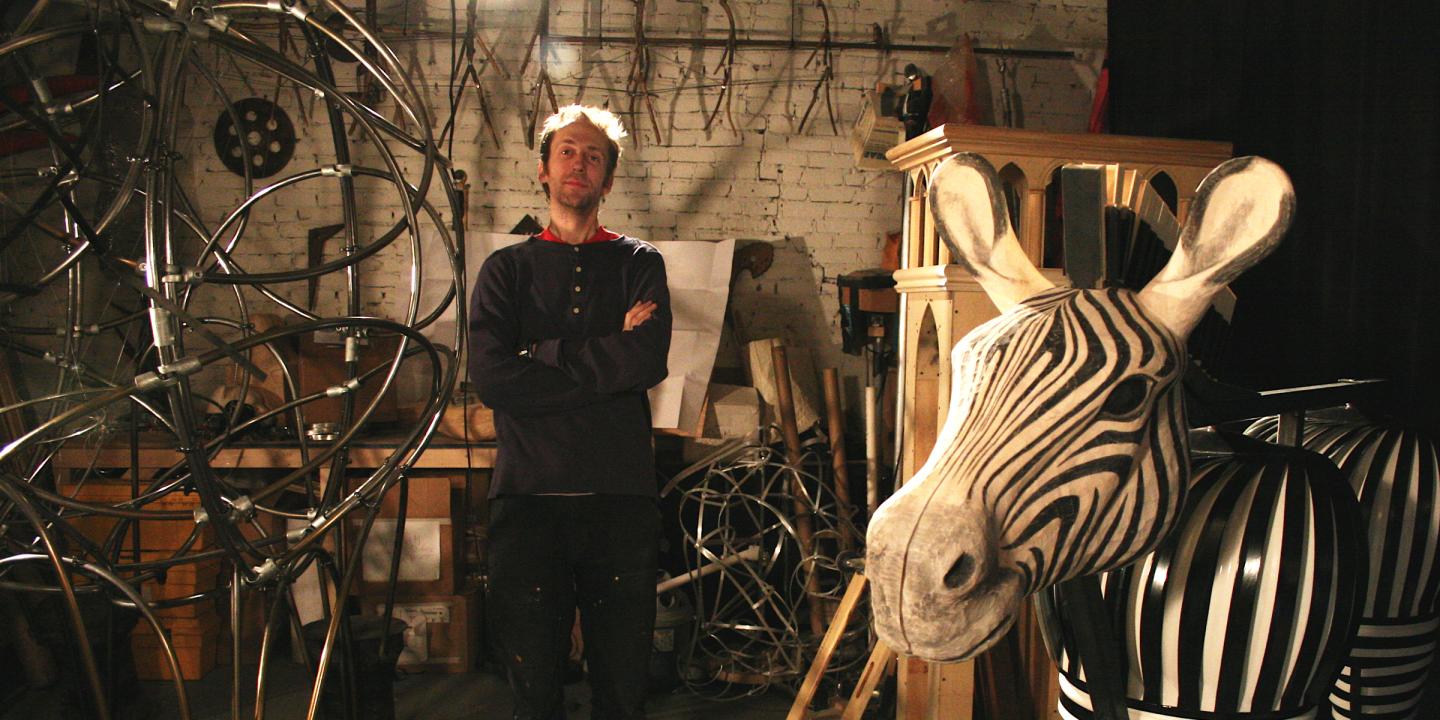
429 562
734 412
156 534
442 633
322 365
158 537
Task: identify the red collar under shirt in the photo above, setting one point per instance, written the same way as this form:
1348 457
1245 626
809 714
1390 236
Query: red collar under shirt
601 235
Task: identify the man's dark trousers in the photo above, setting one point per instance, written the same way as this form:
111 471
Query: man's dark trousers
549 554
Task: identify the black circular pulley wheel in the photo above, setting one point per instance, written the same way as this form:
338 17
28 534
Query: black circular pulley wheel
263 139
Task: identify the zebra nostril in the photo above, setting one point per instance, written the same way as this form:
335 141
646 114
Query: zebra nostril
960 571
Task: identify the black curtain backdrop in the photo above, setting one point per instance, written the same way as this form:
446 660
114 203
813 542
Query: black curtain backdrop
1345 95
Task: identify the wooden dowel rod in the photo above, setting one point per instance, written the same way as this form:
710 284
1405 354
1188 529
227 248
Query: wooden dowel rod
804 527
836 417
872 451
785 404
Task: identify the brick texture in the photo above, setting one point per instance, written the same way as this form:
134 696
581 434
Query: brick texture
755 174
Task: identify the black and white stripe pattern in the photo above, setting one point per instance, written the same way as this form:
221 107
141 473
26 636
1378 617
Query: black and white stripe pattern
1395 473
1248 607
1388 667
1063 452
1095 376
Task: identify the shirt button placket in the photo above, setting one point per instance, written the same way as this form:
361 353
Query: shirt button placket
575 309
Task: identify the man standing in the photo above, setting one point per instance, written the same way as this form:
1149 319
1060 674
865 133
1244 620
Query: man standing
568 330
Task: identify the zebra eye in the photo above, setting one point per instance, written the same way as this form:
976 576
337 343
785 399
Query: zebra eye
1127 397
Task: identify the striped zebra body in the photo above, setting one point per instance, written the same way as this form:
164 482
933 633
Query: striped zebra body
1248 608
1064 449
1075 705
1395 474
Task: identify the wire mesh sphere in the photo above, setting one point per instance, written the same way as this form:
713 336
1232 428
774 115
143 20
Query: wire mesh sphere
753 622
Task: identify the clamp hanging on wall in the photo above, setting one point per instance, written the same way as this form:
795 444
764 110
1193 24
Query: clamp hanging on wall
472 75
638 85
823 84
542 81
727 62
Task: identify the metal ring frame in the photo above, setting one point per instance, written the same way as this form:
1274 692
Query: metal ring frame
751 631
103 190
100 187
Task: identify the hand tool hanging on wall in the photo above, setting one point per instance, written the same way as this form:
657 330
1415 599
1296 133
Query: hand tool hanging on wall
472 75
542 80
727 63
827 59
337 52
367 91
1005 69
285 45
462 191
638 84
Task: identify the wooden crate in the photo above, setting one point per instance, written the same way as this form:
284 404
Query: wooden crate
181 581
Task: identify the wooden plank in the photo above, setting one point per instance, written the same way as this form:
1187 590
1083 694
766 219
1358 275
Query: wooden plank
954 691
912 693
853 592
157 455
880 664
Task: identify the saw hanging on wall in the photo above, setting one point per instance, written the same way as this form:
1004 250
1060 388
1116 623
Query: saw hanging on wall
257 133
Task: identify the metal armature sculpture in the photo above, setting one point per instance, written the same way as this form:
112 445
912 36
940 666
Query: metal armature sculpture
94 196
1064 451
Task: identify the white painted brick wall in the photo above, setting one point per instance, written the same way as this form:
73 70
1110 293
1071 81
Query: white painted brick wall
762 179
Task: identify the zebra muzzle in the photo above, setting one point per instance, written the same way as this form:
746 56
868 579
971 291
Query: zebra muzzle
940 589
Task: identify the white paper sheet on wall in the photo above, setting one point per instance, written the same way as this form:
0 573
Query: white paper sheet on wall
698 274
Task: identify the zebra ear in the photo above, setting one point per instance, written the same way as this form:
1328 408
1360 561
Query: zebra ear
971 218
1240 212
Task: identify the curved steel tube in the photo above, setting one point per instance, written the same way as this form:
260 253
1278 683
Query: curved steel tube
191 281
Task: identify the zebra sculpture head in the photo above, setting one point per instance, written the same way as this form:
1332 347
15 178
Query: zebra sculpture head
1064 450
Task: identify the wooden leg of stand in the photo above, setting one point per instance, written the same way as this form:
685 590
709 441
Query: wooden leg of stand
931 691
1044 680
799 709
953 690
881 663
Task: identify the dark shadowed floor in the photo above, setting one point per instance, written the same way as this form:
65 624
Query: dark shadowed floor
428 696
